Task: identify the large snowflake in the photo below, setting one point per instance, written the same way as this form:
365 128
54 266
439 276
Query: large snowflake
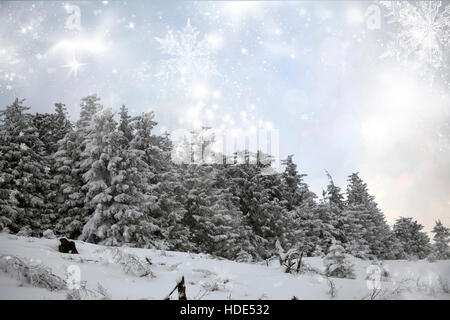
190 57
421 34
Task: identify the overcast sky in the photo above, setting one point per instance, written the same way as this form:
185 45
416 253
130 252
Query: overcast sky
316 71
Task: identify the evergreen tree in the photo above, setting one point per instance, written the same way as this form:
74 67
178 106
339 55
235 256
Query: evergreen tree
113 182
125 124
367 230
441 239
415 243
24 177
69 199
336 263
73 211
52 128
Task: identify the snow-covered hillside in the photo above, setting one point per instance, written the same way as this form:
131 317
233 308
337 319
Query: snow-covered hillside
206 277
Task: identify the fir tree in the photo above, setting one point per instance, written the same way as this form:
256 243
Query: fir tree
441 239
367 229
125 123
415 243
73 211
24 179
337 264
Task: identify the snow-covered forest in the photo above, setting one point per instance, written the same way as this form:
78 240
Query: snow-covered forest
224 150
108 179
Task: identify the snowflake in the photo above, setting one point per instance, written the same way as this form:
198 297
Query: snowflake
421 38
190 56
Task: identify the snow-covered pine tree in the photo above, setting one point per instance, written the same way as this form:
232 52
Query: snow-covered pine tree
125 123
415 243
330 213
367 228
441 240
230 235
69 199
267 218
89 106
299 209
153 154
294 189
52 127
24 177
63 124
337 264
72 210
113 184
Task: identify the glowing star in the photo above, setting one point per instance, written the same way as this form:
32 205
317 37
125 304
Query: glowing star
74 65
131 25
244 51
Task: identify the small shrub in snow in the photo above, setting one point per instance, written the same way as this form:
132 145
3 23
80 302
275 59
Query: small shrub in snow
377 271
332 291
291 260
444 284
36 275
432 257
25 232
4 222
131 263
412 257
49 234
243 256
100 293
337 264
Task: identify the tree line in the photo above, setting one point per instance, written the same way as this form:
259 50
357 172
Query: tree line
112 182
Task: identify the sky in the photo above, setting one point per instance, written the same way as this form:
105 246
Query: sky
350 86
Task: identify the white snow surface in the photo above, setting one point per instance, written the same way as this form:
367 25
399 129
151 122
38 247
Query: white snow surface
207 277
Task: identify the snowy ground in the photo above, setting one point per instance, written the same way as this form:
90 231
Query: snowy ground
210 278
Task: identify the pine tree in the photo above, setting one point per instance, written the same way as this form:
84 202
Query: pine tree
415 243
294 189
299 210
441 240
69 198
330 214
52 128
110 185
72 210
336 263
63 124
125 124
367 230
24 179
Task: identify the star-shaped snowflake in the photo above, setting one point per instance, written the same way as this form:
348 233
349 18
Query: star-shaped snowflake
190 56
421 36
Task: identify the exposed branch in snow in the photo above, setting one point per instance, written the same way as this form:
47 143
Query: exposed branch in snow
332 288
181 290
37 276
89 294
